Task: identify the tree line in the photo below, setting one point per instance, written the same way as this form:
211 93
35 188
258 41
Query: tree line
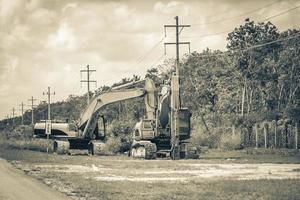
255 80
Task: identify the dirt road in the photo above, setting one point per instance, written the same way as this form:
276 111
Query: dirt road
15 185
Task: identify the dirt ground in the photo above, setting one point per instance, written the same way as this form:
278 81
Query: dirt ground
16 185
214 176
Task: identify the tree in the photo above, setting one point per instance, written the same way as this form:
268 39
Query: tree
255 65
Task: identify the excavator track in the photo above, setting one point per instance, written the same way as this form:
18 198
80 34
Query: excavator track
143 149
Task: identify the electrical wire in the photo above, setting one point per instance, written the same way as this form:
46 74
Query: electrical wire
252 47
228 30
281 13
237 16
151 50
158 60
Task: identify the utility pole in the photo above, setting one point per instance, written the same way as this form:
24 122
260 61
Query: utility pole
32 106
22 110
88 81
177 43
48 93
175 94
7 119
13 116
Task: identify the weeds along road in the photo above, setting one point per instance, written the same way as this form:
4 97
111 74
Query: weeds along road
14 184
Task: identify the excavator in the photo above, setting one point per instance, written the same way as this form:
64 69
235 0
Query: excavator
163 132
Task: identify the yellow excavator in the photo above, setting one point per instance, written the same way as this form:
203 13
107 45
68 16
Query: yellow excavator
163 132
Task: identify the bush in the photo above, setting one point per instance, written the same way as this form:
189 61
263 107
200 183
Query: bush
201 139
32 144
112 145
20 132
230 141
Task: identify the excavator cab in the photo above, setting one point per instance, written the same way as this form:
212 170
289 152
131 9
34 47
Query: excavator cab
100 130
144 130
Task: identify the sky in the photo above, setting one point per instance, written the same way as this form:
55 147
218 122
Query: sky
47 42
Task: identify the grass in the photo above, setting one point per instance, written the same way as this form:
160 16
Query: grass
222 189
265 189
28 144
85 186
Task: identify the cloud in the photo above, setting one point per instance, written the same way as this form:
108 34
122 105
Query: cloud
69 6
64 39
9 7
167 8
42 17
47 42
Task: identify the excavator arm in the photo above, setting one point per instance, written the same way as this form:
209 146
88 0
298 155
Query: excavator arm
89 117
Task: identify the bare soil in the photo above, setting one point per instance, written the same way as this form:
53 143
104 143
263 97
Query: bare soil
216 175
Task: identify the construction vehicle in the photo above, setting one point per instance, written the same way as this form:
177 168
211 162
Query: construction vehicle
165 130
152 135
59 129
92 125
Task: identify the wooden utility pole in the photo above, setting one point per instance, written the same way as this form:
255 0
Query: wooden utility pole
265 134
243 100
22 110
88 81
275 132
48 93
175 94
256 136
32 107
296 135
7 119
13 116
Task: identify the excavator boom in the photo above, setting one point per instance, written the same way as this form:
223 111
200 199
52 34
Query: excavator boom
90 115
104 99
88 121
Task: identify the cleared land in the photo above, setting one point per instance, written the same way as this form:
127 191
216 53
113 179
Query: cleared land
16 185
217 175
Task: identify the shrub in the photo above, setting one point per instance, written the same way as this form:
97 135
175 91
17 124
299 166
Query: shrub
21 132
203 139
230 141
112 145
32 144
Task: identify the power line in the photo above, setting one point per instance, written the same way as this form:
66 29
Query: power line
141 59
252 47
281 13
237 16
150 51
228 30
272 42
157 60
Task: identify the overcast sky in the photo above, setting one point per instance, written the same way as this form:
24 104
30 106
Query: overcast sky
47 42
